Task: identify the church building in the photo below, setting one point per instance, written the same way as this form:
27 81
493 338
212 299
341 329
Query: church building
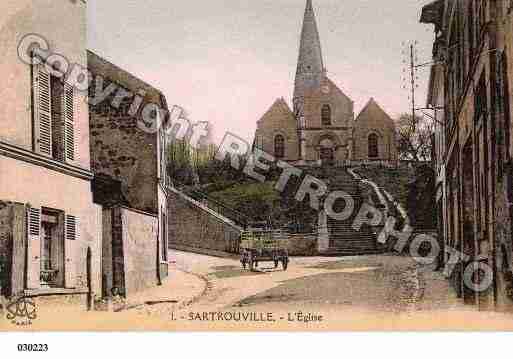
321 128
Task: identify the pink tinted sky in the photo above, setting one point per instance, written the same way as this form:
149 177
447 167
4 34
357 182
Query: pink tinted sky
226 61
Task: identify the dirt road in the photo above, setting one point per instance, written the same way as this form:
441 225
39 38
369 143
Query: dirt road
381 292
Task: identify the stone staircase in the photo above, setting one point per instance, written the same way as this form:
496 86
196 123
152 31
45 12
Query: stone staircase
343 239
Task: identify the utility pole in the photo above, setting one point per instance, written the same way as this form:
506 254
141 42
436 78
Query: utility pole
413 68
412 72
410 66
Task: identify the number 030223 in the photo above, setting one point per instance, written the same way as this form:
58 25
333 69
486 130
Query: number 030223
32 347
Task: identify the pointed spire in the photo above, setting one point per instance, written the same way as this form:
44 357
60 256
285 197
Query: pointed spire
310 66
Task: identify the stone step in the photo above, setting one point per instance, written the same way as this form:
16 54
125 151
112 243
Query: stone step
353 248
352 235
347 253
334 229
343 242
353 239
355 234
351 242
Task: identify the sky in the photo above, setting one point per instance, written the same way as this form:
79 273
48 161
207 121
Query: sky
227 61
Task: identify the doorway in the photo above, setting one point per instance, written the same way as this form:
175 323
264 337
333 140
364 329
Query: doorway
327 152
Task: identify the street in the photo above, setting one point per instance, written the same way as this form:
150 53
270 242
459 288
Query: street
358 293
375 292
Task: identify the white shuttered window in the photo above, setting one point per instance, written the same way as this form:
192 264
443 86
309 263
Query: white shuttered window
42 106
54 116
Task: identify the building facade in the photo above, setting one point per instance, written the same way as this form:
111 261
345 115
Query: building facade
129 162
321 126
470 81
50 228
435 100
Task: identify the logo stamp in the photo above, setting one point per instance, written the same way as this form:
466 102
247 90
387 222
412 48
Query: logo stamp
22 311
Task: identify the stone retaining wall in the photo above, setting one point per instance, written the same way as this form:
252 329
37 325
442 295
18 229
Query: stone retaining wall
193 225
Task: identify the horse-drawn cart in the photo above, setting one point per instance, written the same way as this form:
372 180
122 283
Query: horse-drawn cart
259 245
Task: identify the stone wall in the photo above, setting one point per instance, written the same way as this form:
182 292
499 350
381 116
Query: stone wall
342 112
193 225
119 148
373 120
278 120
339 138
123 152
140 245
302 244
130 240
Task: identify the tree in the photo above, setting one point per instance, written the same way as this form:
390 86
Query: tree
414 138
185 161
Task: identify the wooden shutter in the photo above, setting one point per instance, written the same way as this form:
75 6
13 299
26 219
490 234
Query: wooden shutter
71 234
71 228
42 107
33 248
34 223
69 125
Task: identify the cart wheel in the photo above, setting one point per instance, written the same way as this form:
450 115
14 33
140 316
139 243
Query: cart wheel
285 263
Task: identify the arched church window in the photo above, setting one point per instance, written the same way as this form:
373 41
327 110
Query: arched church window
326 115
373 146
279 146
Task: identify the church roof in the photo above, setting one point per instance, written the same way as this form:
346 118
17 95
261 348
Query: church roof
334 85
310 53
279 107
372 110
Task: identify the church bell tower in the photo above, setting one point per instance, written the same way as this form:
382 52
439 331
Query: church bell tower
310 70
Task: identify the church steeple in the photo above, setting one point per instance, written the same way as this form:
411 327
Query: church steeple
310 66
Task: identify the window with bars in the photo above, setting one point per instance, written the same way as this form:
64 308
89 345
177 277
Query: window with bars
279 146
326 115
373 145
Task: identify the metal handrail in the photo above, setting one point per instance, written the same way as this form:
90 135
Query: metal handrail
219 207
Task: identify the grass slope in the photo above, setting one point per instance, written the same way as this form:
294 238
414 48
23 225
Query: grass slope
394 180
254 199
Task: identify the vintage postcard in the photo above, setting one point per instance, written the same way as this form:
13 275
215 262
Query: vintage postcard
287 165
